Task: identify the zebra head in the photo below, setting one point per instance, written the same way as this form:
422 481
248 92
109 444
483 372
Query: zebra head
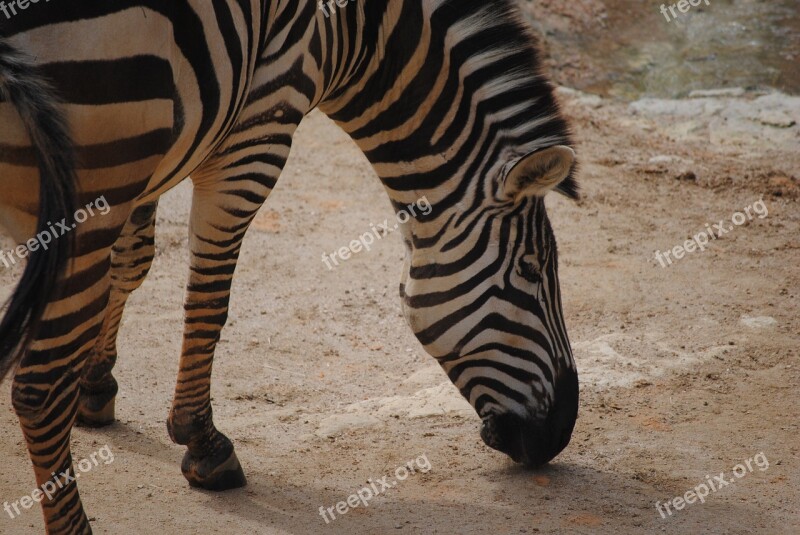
482 295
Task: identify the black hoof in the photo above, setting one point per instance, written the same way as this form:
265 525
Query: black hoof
214 472
96 410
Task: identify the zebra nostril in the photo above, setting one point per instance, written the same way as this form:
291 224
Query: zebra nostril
521 439
489 433
504 432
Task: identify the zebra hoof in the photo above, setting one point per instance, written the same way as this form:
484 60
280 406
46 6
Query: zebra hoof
211 473
96 410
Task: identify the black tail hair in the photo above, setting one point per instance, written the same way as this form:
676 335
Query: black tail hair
22 85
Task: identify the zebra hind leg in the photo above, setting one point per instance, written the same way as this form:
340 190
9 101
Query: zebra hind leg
131 258
45 387
47 407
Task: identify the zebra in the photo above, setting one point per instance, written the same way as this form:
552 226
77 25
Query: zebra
127 99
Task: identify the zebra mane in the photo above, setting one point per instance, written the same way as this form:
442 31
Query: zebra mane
505 31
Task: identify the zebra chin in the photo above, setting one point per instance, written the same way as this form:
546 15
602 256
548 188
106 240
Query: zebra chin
528 441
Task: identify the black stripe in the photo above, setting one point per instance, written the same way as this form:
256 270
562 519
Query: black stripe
134 79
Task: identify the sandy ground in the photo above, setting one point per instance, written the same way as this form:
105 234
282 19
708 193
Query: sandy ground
686 370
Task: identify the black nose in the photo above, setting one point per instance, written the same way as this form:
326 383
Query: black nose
533 442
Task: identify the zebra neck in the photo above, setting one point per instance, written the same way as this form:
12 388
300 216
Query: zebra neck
441 94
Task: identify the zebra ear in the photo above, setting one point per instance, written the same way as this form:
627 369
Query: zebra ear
537 173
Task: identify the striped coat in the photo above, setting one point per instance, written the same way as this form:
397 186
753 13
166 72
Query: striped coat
107 105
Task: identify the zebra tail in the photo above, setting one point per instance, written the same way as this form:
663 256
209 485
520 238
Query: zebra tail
22 85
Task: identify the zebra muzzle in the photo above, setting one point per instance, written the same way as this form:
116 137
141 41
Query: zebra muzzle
535 442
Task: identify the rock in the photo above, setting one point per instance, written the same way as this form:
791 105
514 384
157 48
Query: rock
441 400
686 130
579 97
676 108
707 93
776 118
339 423
768 121
622 360
758 322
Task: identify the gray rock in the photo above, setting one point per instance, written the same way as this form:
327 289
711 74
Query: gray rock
710 93
769 121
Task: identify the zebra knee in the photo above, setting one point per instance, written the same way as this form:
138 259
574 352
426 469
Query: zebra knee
144 215
27 403
32 404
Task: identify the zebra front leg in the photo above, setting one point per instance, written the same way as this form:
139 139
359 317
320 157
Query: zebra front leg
219 221
131 258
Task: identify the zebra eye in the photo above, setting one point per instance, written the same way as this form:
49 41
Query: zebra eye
528 268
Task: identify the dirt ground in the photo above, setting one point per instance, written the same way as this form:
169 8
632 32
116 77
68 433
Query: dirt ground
686 370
